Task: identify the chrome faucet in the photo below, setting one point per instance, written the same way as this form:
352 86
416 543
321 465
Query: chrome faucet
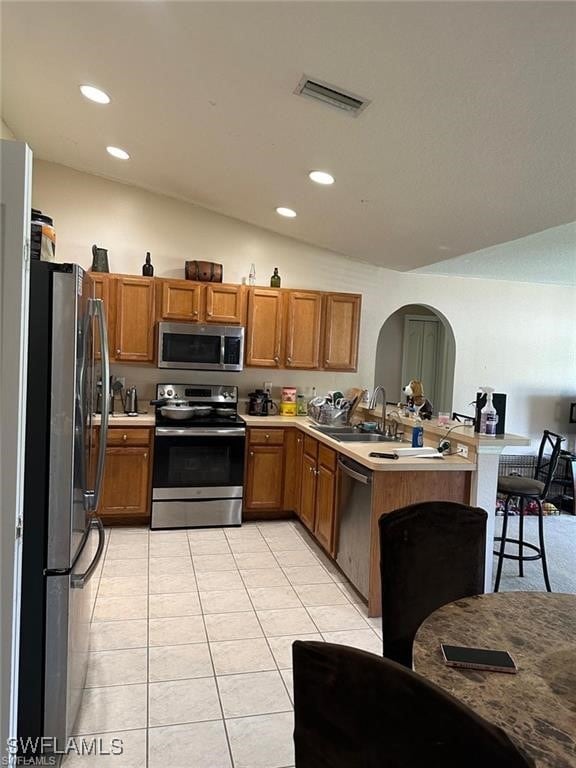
372 404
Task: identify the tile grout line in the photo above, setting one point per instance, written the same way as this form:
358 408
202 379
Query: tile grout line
212 663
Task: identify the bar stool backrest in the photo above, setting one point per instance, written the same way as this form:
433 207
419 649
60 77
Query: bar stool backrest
548 455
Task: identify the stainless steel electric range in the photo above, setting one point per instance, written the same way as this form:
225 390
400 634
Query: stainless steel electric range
198 471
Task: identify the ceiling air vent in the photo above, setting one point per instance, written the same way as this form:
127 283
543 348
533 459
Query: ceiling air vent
330 94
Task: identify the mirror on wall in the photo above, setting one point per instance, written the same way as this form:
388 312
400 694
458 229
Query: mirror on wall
417 342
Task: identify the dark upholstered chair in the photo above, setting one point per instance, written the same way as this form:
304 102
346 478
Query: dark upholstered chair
356 710
529 489
430 554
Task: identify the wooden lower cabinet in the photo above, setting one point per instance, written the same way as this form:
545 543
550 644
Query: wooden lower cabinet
264 476
127 477
318 492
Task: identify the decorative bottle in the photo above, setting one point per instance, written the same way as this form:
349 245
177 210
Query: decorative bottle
147 268
275 279
252 275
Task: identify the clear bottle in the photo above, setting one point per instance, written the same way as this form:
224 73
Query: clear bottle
488 415
147 268
275 279
252 275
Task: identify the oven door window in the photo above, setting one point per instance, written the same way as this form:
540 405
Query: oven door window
188 462
191 348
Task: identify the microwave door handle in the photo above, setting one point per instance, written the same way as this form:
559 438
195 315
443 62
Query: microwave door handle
222 349
97 307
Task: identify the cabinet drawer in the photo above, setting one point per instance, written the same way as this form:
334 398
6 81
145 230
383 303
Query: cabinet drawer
266 436
310 446
128 436
326 457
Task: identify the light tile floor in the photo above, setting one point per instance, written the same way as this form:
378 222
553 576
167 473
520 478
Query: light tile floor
191 643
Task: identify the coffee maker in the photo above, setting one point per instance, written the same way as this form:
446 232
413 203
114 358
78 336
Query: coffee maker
258 403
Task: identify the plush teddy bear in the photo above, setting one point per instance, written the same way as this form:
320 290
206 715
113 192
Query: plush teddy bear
414 392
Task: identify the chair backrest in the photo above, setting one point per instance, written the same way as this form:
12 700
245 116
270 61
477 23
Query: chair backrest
547 461
356 710
430 554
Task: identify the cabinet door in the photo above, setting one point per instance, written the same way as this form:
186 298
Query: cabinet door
303 330
264 328
293 469
224 304
308 491
264 474
181 300
126 483
102 291
325 495
134 319
342 326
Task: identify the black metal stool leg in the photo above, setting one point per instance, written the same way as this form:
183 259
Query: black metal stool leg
542 548
521 537
502 545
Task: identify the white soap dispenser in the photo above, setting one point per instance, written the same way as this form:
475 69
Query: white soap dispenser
488 415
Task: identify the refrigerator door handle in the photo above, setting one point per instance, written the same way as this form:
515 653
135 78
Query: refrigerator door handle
97 306
79 580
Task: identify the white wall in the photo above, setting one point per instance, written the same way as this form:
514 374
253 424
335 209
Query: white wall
5 132
517 337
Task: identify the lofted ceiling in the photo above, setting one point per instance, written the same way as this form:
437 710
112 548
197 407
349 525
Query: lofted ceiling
468 142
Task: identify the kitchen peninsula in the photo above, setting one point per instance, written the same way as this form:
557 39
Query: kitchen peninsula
291 465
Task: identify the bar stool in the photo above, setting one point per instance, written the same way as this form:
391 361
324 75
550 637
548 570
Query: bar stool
529 489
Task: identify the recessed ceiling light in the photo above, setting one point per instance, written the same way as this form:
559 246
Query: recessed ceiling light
321 177
287 212
121 154
95 94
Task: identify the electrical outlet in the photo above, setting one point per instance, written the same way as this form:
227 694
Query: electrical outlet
462 450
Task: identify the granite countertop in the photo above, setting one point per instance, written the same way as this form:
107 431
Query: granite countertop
359 451
537 706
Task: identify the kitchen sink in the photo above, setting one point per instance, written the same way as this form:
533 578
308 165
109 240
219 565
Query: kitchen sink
367 437
336 430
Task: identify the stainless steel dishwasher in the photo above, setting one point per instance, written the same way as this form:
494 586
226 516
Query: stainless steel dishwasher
353 555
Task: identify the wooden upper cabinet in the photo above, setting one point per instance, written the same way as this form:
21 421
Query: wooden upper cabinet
264 328
342 327
201 302
224 304
102 285
180 300
303 330
134 319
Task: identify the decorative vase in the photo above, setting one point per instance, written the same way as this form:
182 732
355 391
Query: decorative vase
99 259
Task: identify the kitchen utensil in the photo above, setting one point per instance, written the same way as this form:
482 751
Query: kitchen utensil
131 401
377 455
225 411
181 412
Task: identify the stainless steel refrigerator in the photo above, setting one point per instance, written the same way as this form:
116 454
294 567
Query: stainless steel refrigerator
63 539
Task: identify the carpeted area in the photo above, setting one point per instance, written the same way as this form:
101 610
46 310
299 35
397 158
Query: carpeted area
560 540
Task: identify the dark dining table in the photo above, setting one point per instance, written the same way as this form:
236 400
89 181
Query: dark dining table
537 706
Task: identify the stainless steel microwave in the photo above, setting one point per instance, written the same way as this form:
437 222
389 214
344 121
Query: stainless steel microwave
200 347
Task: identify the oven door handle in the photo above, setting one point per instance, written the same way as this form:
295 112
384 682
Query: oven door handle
200 432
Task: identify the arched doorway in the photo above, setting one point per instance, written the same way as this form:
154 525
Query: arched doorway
417 342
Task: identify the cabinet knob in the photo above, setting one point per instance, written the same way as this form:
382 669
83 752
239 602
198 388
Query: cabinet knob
267 437
298 439
124 437
251 453
145 455
117 351
195 312
276 359
289 359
